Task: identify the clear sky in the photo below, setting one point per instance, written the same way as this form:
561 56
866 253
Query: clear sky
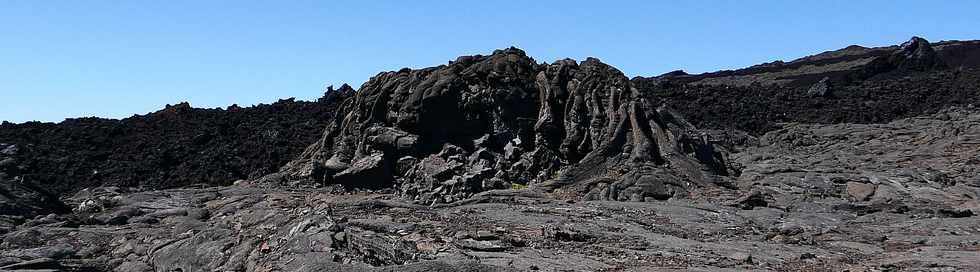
114 59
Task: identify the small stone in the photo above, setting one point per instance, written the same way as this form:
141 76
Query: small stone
461 235
198 213
789 229
741 257
485 235
860 191
264 248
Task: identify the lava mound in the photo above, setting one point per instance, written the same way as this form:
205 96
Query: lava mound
442 134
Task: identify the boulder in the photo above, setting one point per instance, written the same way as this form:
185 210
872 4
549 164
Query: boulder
917 54
370 171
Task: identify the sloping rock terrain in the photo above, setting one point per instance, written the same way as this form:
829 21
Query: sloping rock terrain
499 163
176 146
851 85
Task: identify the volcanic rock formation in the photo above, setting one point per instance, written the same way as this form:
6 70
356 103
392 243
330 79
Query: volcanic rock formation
480 123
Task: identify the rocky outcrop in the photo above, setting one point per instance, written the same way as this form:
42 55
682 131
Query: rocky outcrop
916 54
494 122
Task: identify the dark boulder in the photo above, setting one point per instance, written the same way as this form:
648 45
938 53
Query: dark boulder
371 171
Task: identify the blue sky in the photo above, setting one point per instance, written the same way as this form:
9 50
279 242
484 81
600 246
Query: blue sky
114 59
